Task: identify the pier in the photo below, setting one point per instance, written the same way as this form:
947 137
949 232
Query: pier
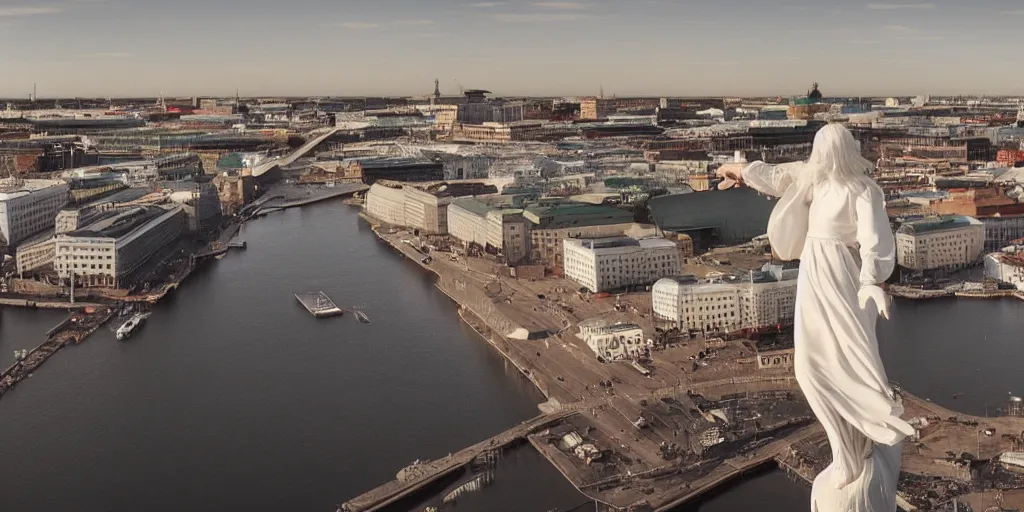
73 330
414 478
319 304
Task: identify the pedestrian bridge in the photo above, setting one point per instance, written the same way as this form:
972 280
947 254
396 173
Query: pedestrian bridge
319 135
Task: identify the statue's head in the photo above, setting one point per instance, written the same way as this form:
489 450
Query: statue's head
836 156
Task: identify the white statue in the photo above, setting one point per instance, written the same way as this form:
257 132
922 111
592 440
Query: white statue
831 216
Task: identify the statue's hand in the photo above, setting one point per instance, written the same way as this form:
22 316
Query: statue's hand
731 174
872 293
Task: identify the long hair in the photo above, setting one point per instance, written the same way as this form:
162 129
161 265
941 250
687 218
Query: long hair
836 159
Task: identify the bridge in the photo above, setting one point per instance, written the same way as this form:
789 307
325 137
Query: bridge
322 134
416 477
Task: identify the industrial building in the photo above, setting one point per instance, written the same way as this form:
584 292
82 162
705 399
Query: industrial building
946 243
395 169
764 299
619 262
713 218
45 154
89 184
28 207
109 251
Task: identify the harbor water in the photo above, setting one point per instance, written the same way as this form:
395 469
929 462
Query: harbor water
231 396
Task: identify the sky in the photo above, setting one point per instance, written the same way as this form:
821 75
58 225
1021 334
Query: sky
101 48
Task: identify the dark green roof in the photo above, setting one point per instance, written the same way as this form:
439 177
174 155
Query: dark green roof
569 215
941 224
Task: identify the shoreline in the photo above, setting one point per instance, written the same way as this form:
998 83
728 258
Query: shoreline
906 293
789 451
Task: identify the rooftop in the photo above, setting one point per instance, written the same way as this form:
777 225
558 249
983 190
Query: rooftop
567 215
619 327
118 223
941 224
396 163
17 185
11 188
622 241
473 205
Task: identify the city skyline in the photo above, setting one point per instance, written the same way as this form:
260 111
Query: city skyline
101 48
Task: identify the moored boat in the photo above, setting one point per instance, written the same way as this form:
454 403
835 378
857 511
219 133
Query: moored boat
128 327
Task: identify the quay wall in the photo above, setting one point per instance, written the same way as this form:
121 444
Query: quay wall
476 300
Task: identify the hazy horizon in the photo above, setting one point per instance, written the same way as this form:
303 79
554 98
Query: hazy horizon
145 48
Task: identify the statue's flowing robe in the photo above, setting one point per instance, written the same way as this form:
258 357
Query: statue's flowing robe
841 234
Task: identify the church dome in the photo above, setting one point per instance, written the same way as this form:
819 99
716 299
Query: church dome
815 94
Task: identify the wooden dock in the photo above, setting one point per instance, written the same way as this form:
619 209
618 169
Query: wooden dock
419 476
318 304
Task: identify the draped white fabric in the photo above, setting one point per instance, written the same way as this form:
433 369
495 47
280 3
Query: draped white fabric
842 237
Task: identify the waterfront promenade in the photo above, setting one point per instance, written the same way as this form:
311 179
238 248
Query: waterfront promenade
563 369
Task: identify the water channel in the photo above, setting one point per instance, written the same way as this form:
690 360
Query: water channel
231 397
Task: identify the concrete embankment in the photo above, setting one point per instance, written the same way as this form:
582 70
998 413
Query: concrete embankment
478 310
290 196
46 304
905 292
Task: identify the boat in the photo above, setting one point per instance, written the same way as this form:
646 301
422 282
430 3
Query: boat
361 316
128 327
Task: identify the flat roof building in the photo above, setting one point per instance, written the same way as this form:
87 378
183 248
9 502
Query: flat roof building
397 169
620 262
28 207
111 250
949 243
552 222
762 299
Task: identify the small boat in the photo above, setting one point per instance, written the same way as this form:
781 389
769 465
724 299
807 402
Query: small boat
128 327
361 316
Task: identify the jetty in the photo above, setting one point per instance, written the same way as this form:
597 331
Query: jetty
71 331
319 304
417 476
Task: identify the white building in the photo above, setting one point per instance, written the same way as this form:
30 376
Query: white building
614 263
28 207
770 299
1013 459
947 243
108 252
467 221
386 204
1006 267
491 225
422 206
35 253
617 342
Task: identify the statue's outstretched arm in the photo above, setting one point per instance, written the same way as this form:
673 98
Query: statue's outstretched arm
877 244
769 179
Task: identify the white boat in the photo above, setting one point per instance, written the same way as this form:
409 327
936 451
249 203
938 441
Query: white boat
128 327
